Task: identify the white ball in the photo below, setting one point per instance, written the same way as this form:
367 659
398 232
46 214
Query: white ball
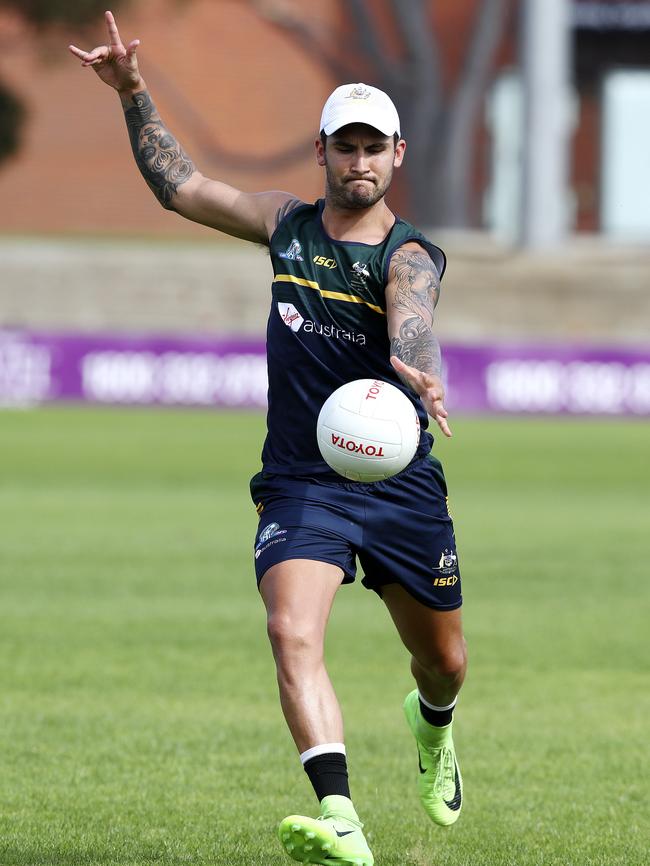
368 430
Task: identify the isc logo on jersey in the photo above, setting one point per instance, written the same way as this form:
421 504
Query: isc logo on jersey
324 262
293 319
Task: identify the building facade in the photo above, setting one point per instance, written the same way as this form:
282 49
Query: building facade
244 96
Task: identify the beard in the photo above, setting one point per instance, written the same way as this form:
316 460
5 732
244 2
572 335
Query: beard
353 194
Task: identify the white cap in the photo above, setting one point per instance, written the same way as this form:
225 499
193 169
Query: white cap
359 103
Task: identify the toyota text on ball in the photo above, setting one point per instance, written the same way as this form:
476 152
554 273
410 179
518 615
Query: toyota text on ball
357 447
375 389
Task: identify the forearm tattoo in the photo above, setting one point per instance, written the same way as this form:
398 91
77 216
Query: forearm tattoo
417 289
160 158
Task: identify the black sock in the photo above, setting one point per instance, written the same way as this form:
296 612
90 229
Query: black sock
438 718
328 774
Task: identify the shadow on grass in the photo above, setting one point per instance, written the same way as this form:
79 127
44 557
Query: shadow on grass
67 856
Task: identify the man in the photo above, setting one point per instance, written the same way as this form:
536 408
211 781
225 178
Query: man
354 293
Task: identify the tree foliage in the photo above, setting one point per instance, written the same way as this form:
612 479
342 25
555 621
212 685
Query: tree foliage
12 115
41 14
44 12
438 121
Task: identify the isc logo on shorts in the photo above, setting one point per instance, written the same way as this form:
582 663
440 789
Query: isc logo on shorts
446 581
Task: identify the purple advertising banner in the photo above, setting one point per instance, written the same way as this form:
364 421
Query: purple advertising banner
38 367
548 380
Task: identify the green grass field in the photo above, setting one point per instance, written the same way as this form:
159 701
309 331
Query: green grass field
139 717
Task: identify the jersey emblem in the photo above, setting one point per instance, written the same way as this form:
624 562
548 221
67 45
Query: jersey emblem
359 275
293 252
290 316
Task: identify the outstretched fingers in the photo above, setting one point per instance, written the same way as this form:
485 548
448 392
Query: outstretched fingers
429 388
131 48
433 401
113 33
91 58
413 376
441 420
115 50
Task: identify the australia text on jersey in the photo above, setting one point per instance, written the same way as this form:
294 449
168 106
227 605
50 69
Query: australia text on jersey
293 319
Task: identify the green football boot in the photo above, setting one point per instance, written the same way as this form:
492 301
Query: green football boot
440 783
333 839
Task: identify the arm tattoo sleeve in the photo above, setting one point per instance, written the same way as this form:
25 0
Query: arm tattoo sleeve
289 205
417 288
160 158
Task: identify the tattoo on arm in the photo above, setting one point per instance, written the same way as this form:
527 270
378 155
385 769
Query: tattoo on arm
417 346
160 158
289 205
417 289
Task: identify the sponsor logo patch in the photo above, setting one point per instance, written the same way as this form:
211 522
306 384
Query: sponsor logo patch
294 320
290 316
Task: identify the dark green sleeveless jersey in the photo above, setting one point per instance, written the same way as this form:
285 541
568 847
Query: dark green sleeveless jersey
327 326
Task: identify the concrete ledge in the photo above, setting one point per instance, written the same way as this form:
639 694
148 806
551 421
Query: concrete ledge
590 292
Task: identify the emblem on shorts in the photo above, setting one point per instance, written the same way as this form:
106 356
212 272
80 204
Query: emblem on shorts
448 562
269 536
268 532
293 252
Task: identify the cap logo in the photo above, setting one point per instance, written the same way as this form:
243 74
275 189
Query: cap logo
359 92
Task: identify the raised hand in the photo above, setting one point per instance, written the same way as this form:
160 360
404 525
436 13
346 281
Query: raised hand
429 389
116 65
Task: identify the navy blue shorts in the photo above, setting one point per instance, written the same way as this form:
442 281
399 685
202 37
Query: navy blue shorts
399 529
